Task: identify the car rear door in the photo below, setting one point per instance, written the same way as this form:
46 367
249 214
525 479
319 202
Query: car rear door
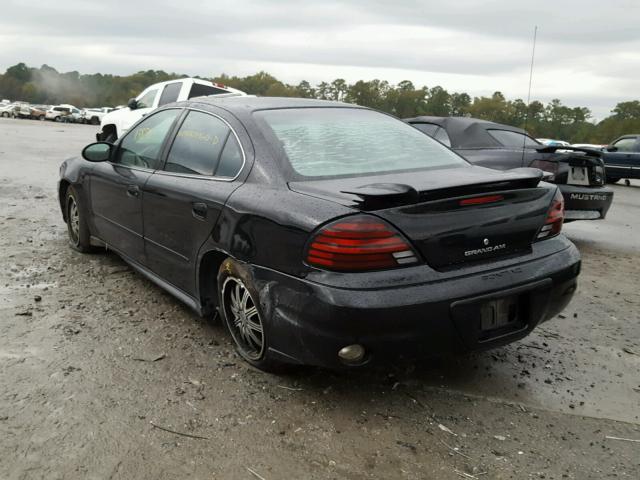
116 186
183 200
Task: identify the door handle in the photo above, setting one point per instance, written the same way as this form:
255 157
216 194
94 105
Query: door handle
199 210
133 191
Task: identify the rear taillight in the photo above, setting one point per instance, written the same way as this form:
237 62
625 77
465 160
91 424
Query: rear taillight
359 243
546 166
555 216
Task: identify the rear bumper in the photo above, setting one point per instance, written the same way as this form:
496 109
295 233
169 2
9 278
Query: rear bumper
586 203
308 323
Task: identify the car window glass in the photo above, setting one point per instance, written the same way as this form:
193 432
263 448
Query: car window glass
141 146
197 146
147 100
428 128
442 136
513 139
170 93
199 90
332 142
230 160
625 144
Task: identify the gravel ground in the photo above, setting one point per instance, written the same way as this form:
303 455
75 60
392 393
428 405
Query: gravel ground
103 375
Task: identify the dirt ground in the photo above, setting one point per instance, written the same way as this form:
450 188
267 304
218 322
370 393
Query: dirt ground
98 367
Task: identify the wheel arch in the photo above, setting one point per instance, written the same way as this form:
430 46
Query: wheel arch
62 195
207 277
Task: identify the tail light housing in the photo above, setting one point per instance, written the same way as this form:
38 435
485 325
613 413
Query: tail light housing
555 216
546 166
359 243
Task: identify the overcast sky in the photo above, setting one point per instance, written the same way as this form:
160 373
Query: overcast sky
588 51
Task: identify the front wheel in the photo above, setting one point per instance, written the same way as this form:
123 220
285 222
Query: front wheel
77 228
242 314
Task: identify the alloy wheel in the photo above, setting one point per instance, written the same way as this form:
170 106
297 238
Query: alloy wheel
243 318
74 220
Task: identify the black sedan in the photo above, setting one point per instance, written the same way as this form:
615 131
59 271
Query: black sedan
580 173
324 233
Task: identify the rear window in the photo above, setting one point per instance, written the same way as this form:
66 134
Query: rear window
330 142
513 139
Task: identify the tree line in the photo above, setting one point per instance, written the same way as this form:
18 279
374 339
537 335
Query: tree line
551 120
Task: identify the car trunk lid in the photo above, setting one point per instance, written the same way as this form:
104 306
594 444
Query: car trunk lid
451 216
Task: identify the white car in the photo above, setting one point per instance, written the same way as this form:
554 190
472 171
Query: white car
115 124
94 115
62 113
9 110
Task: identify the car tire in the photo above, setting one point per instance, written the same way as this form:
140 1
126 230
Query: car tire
612 180
77 228
243 315
95 121
5 114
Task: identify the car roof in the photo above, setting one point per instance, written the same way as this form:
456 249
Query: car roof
237 104
468 132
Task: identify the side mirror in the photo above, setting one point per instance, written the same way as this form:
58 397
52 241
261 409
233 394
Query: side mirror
132 103
97 152
611 149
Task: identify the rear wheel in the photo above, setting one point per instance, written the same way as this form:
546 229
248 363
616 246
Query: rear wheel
242 314
79 237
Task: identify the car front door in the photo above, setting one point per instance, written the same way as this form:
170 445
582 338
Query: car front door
183 200
620 163
116 186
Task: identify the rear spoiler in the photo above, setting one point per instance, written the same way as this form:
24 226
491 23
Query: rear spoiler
554 148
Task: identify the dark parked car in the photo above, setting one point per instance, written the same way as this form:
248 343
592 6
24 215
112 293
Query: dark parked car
579 173
324 233
622 158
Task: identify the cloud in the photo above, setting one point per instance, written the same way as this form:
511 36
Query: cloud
586 50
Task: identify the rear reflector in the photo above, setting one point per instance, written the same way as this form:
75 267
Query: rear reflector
481 200
555 216
359 243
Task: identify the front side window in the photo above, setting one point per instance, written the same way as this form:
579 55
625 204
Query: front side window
170 93
198 144
513 139
141 146
329 142
625 144
147 99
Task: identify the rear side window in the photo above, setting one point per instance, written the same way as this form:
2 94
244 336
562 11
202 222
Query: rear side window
231 159
198 145
331 142
170 93
513 139
199 90
428 128
442 136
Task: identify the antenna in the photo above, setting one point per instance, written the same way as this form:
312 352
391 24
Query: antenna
526 118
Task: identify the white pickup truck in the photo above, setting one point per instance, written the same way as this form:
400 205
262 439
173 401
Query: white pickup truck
115 124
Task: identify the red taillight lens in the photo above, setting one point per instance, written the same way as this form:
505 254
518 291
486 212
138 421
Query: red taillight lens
546 166
359 243
555 216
